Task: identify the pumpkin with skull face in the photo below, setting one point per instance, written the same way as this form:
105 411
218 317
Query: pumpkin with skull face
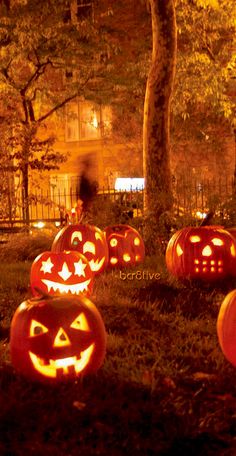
86 239
206 253
65 272
57 338
126 247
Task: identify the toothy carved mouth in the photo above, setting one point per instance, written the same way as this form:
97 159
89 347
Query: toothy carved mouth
62 288
208 266
96 265
50 369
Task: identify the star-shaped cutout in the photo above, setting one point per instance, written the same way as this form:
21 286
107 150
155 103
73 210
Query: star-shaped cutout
47 266
79 268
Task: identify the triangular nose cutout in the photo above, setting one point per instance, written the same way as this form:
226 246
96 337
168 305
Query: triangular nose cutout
61 339
207 251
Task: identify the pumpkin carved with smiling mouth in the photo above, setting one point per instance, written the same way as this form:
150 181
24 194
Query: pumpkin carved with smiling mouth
57 338
86 239
61 273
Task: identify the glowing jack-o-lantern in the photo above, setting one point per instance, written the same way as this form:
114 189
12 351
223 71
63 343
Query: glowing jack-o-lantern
65 272
207 253
226 327
57 338
126 247
86 239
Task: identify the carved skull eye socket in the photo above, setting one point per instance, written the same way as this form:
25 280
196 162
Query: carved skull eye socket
36 328
136 241
76 238
217 241
194 239
232 250
80 323
113 242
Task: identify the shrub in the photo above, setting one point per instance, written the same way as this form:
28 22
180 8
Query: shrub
23 246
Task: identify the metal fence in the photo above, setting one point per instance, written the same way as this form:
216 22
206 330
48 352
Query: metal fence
190 197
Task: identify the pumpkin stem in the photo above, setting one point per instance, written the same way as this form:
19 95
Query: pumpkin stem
42 295
207 219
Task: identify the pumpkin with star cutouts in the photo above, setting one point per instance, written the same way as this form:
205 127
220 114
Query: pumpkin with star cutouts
57 338
86 239
61 273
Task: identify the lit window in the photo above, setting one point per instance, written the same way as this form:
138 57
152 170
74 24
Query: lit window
72 122
89 121
86 121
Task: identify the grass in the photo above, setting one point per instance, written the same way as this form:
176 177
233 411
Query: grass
165 387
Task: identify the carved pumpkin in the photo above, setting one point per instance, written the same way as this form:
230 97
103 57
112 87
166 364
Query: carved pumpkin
57 338
126 247
64 272
207 253
86 239
226 327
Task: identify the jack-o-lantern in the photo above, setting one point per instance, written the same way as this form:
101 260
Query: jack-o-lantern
226 327
65 272
86 239
57 338
126 247
207 253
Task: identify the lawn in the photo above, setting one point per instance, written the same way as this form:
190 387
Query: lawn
165 387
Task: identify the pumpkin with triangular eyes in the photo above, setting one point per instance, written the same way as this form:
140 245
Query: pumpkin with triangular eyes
125 245
206 253
61 273
86 239
57 338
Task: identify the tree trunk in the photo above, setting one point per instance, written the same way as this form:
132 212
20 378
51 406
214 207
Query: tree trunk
25 194
234 180
156 126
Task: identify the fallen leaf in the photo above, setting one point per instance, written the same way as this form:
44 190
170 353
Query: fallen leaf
79 405
204 376
167 381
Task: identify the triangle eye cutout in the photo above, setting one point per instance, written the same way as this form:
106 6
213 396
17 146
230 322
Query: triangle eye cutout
80 323
36 328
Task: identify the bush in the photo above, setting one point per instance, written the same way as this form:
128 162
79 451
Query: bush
23 246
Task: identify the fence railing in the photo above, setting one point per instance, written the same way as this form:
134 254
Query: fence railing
190 196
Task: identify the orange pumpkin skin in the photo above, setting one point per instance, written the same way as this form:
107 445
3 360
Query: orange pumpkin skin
226 327
61 273
232 231
57 338
86 239
126 246
206 253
